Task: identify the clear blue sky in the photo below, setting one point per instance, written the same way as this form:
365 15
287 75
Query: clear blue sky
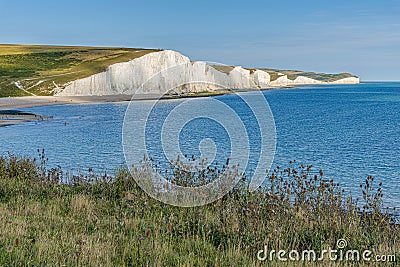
358 36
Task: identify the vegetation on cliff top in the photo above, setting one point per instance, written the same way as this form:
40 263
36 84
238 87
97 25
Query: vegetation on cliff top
291 74
39 69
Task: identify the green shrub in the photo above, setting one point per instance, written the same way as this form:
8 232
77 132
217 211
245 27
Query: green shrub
49 217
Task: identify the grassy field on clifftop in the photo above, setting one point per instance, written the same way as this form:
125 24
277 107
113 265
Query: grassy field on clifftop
37 69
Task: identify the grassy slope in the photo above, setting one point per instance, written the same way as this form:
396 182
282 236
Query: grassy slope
96 221
223 68
37 67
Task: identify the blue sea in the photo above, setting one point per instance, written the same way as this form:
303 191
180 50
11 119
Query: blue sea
348 131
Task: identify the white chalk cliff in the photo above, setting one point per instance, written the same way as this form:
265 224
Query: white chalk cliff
166 71
349 80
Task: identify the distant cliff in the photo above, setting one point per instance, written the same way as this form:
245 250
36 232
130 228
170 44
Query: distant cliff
83 71
150 71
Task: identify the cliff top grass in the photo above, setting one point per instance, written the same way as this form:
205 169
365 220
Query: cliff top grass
223 68
35 68
292 74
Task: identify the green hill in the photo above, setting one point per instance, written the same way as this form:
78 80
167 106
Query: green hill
33 69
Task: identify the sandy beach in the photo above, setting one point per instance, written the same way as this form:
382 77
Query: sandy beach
8 103
15 103
34 101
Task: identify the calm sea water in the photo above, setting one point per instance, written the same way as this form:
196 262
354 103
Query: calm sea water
349 131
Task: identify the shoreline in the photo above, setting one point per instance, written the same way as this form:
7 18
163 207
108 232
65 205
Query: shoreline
11 117
11 103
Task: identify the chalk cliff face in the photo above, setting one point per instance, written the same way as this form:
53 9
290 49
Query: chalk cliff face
170 71
262 79
281 81
302 80
349 80
306 80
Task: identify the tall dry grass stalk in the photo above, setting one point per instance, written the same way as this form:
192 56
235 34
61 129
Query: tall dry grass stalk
98 220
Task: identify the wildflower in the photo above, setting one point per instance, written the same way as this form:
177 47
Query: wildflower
128 195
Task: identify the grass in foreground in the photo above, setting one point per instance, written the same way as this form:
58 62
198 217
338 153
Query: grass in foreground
98 220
